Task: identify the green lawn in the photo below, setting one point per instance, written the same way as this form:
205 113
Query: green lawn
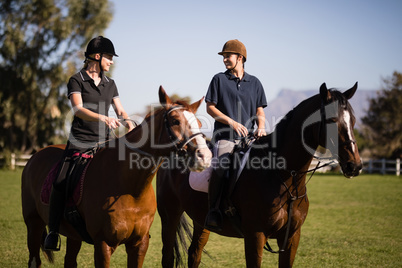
351 223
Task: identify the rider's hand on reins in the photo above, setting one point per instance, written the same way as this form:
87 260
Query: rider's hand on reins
239 128
129 123
260 132
110 121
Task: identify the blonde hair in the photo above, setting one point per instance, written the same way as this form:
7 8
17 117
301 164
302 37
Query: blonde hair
88 60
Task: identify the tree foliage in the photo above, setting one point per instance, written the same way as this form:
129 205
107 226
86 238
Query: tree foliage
383 122
42 45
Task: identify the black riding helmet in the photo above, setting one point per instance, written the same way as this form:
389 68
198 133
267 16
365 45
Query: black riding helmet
101 45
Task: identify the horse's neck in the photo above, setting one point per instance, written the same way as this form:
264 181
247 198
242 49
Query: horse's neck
146 137
293 148
137 160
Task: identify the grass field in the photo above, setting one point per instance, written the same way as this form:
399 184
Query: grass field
351 223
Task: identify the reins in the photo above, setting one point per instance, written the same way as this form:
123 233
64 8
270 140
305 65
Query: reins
135 149
178 144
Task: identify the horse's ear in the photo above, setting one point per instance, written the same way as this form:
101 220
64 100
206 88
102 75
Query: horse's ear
350 92
164 98
195 105
324 93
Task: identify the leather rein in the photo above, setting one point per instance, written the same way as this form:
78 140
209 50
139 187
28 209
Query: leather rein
178 144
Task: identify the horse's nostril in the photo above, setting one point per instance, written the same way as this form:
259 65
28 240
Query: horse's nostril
199 154
352 166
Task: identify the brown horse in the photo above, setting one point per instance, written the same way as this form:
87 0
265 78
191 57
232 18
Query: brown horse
118 201
270 199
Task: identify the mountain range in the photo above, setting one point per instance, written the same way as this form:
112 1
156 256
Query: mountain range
287 99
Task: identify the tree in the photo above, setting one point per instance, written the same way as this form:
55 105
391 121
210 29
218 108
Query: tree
383 122
40 43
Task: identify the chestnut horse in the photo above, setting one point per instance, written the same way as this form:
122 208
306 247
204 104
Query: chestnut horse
271 202
118 201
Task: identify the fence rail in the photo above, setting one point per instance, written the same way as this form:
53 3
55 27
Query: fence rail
383 166
15 160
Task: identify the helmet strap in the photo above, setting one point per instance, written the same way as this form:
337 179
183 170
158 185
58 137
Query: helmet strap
100 62
232 69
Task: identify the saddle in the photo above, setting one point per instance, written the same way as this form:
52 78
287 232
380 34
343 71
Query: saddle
238 160
199 180
76 175
74 189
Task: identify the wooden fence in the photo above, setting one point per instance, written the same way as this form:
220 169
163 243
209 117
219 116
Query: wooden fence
15 160
382 166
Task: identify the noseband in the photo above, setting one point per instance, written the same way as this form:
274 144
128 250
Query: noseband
178 144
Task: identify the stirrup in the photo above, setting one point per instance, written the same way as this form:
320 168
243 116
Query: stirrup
52 241
213 221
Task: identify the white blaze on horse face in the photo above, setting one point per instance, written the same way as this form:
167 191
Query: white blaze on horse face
201 143
347 119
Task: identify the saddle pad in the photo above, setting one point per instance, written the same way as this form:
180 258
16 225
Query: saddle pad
199 181
48 183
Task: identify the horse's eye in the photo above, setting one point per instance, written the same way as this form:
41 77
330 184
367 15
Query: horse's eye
332 120
175 122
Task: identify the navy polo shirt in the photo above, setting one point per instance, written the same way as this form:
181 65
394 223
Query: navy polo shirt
96 99
238 99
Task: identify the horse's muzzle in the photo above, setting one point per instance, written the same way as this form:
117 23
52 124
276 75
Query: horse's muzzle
202 160
351 169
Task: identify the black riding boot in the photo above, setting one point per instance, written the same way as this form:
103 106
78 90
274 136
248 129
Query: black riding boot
213 221
56 208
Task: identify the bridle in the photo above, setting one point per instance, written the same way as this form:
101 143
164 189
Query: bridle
295 179
322 128
178 144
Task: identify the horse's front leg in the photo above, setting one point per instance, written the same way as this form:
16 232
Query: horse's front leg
72 250
102 254
170 213
287 257
254 245
200 239
136 250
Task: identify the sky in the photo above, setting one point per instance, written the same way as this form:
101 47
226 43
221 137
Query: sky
294 45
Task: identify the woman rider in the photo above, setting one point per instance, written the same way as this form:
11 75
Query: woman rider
91 93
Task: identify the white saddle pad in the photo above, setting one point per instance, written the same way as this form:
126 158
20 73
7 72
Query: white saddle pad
199 181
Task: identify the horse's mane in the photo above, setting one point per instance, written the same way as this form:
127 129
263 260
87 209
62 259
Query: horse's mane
153 112
344 103
283 125
159 109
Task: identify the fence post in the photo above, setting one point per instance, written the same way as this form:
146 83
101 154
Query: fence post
383 166
12 161
398 166
370 167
